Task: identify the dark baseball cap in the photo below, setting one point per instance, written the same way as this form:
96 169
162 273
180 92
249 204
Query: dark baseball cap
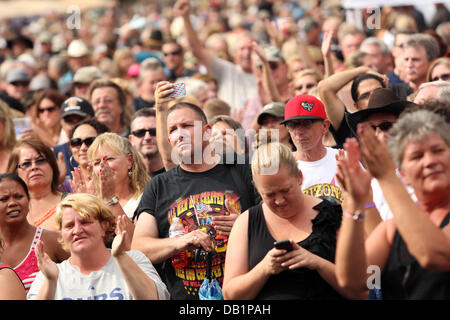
77 106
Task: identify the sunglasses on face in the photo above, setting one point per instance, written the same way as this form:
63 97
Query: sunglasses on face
444 77
306 86
20 83
78 142
141 133
173 53
27 164
50 110
307 123
384 126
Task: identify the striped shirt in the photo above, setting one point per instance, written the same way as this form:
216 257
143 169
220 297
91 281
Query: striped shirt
28 268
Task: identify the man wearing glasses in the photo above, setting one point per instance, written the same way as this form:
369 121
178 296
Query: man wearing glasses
143 138
174 60
307 123
17 83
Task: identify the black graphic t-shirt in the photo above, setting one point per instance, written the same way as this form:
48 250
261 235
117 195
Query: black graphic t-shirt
195 198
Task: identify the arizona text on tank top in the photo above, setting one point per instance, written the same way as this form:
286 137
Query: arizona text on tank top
28 268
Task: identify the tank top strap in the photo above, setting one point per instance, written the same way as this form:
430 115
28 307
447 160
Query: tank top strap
445 221
37 237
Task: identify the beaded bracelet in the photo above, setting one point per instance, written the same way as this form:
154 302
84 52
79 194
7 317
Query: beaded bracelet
358 216
369 205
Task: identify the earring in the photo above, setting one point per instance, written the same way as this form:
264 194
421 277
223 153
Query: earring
130 172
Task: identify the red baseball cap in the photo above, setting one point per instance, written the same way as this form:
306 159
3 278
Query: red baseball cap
304 107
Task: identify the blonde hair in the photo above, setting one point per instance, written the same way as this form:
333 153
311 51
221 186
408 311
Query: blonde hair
272 156
9 135
309 72
89 207
119 145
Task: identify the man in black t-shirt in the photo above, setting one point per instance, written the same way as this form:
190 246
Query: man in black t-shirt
203 192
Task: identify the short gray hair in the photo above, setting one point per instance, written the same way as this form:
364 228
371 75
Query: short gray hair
415 126
444 89
426 41
373 41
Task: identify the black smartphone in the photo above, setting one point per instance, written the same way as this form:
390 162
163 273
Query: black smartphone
284 245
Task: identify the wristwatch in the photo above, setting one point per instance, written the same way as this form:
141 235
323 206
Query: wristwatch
114 200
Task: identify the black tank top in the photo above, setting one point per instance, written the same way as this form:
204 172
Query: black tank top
403 278
301 283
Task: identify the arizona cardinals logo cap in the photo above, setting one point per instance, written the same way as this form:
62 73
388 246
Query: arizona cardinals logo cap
304 107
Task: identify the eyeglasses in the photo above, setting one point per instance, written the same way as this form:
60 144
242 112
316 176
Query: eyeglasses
306 86
77 142
384 126
305 123
444 77
173 53
50 110
20 83
141 132
27 164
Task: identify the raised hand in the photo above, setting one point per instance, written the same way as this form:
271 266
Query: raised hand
355 181
163 89
375 154
46 265
106 182
122 240
182 8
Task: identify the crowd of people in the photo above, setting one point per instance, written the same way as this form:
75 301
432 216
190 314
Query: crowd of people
299 149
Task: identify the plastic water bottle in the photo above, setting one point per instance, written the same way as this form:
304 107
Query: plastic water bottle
179 260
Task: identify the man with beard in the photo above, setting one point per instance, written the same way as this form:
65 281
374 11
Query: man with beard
418 53
307 123
108 101
143 138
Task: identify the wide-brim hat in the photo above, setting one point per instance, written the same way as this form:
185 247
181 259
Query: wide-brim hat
381 100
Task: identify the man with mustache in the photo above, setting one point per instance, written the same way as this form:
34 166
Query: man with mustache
108 101
419 51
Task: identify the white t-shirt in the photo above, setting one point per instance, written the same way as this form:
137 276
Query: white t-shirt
380 201
319 177
235 86
130 207
104 284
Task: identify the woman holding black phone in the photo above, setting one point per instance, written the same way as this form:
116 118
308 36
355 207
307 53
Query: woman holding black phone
254 267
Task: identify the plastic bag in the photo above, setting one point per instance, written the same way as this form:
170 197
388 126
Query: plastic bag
210 288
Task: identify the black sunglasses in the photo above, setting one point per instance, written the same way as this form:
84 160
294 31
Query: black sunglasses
77 142
51 109
384 126
173 53
141 133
